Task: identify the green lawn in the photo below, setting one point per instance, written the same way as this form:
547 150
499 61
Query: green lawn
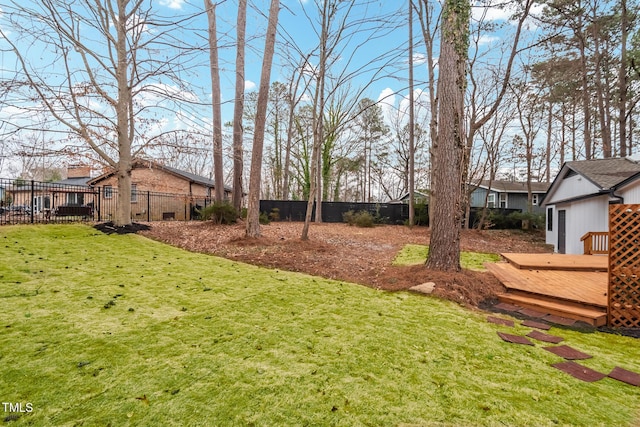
417 254
101 330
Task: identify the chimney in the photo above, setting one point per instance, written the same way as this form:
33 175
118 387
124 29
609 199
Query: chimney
78 171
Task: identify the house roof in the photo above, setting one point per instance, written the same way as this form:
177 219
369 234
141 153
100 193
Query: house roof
180 173
514 186
74 181
606 173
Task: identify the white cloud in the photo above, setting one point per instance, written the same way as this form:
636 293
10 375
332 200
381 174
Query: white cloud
387 102
172 4
249 86
487 40
419 58
487 11
387 96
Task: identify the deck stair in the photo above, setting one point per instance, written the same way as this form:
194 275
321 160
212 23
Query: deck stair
573 287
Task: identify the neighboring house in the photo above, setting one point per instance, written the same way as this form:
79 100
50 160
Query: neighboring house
508 195
149 177
73 191
418 197
48 196
578 200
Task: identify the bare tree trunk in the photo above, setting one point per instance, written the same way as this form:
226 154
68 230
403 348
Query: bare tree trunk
124 120
253 209
238 107
411 183
444 252
622 80
426 10
586 103
598 82
218 175
563 133
318 134
548 151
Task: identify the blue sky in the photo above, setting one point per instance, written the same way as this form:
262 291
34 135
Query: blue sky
298 24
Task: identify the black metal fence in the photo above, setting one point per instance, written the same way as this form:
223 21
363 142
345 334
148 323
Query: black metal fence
23 201
27 201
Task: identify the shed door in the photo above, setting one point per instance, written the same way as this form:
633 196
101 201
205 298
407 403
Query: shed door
562 231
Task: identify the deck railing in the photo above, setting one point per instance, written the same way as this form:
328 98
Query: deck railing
596 242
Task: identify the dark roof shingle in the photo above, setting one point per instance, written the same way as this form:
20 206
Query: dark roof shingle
605 173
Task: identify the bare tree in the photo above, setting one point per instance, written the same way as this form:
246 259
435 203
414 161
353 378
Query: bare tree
444 253
238 106
430 25
253 208
216 96
102 60
411 174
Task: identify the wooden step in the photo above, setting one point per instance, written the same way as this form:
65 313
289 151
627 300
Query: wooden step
589 288
587 314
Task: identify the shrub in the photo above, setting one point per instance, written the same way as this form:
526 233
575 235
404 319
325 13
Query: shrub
275 214
220 213
530 221
264 218
349 217
421 214
360 219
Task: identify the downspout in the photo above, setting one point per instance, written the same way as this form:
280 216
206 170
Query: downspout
613 195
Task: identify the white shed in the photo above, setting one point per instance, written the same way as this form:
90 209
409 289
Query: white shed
578 200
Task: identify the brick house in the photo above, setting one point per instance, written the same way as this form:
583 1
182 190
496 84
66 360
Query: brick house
44 197
158 192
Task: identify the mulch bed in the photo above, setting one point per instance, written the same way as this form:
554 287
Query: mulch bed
111 228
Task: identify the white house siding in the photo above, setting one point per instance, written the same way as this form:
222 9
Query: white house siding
572 187
631 192
581 217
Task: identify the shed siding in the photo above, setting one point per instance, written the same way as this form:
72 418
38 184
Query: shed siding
583 216
631 192
569 188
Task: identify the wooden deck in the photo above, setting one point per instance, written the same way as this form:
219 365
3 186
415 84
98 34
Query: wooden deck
558 262
573 286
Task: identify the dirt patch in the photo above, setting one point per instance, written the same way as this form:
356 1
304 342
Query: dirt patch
342 252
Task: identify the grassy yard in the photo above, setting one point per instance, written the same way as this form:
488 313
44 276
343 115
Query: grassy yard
100 330
417 254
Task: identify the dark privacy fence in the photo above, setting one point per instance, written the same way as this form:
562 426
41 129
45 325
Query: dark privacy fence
291 210
23 201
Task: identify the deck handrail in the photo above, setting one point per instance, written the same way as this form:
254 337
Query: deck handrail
596 242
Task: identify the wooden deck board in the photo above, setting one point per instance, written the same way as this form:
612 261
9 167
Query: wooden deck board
596 317
577 286
558 262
